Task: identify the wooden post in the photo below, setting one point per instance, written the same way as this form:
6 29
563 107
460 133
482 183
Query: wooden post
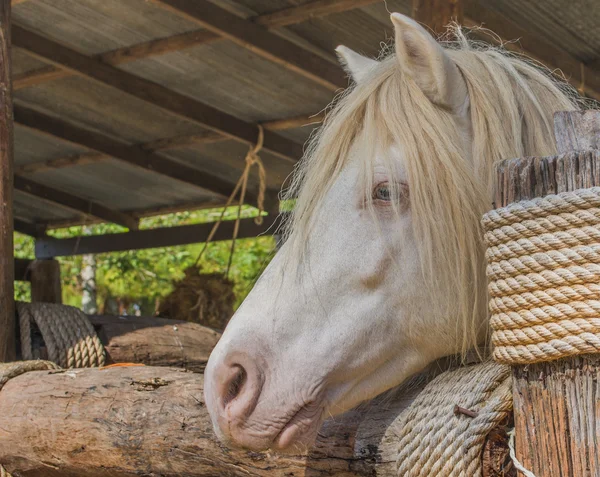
436 14
557 403
45 281
7 300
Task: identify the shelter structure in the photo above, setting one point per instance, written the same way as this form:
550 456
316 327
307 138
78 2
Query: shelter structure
130 108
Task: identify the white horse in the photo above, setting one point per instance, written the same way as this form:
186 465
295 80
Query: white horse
383 270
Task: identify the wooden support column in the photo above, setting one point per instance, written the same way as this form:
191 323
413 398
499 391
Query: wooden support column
44 276
7 304
436 14
557 403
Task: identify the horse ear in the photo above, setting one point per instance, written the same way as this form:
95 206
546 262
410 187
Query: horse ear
356 65
421 57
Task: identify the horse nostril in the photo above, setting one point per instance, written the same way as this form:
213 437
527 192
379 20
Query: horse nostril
236 383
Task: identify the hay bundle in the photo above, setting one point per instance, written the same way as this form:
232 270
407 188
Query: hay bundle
204 298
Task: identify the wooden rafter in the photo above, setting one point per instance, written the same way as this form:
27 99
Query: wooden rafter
302 13
153 93
27 228
257 39
133 155
284 17
577 73
436 14
160 237
73 202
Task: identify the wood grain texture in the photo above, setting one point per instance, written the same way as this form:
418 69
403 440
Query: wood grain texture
153 93
155 341
437 14
73 202
44 276
153 421
557 403
7 305
260 41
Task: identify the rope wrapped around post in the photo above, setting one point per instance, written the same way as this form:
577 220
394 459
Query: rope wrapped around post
544 270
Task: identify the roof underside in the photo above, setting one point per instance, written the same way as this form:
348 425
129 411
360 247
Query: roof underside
221 74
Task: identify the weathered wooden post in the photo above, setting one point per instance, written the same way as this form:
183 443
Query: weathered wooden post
7 305
45 281
544 269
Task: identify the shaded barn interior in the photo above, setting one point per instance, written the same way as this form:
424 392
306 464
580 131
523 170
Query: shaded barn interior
125 109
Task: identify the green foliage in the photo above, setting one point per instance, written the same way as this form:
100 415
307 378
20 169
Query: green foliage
145 276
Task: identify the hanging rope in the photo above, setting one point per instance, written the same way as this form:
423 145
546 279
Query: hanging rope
252 158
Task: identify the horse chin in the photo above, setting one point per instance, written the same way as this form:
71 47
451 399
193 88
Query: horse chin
301 430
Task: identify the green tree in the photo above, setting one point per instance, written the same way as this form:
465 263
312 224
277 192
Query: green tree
145 276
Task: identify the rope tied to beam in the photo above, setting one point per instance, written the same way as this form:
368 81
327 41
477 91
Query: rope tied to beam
252 159
69 336
544 271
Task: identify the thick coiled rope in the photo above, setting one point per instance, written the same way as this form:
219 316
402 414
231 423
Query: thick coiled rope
436 441
544 273
68 334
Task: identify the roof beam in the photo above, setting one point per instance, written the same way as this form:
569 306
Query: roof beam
49 247
436 14
153 93
160 46
165 144
133 155
73 202
27 228
302 13
257 39
551 56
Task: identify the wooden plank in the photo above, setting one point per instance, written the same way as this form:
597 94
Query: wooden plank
7 304
132 155
552 56
436 14
153 93
73 202
44 276
22 269
302 13
557 403
260 41
49 247
294 122
27 228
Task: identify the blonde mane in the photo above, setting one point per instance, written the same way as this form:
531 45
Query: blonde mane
512 103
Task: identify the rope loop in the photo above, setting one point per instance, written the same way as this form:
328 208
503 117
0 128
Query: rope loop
252 158
544 277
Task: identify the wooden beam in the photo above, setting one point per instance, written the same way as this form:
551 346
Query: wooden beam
153 93
160 46
49 247
302 13
132 155
260 41
436 14
21 266
73 202
294 122
586 79
7 276
27 228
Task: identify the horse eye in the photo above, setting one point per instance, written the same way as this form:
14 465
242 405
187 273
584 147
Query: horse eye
382 192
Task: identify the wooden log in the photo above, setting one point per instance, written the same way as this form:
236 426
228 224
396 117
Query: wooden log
153 421
155 341
44 276
557 403
7 302
437 14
